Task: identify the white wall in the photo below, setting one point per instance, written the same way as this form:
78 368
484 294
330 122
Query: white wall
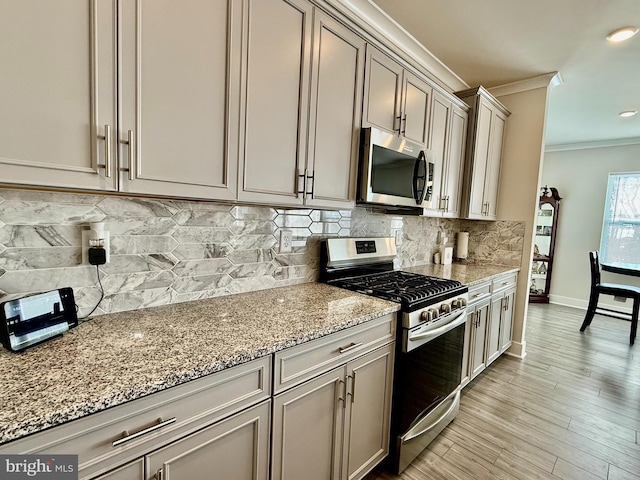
519 178
581 179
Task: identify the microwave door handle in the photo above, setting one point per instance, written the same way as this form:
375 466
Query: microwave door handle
419 193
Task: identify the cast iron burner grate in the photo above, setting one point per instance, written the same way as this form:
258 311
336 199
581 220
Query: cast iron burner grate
412 290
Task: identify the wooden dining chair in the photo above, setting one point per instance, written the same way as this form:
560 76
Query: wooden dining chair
616 289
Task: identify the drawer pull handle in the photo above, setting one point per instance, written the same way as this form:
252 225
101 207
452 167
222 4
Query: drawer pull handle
150 429
351 347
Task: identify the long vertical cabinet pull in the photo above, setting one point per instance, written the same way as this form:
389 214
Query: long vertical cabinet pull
131 148
107 150
353 387
158 475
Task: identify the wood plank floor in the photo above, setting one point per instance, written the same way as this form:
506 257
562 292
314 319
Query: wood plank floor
569 410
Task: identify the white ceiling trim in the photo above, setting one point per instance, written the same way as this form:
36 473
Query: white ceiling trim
551 79
616 142
369 16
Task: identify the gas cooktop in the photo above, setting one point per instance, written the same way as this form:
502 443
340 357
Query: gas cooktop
412 290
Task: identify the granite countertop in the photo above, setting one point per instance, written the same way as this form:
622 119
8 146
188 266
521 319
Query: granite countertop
115 358
466 273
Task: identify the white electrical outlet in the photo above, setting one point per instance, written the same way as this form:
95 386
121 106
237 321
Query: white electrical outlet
286 238
95 233
398 238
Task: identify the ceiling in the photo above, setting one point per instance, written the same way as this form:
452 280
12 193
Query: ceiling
494 42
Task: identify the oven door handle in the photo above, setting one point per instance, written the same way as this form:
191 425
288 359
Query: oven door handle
410 435
456 321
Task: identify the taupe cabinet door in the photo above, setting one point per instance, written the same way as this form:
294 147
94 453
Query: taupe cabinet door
483 127
452 184
416 105
367 425
57 92
383 91
180 75
493 329
438 144
234 449
335 114
493 164
478 339
506 324
307 429
278 60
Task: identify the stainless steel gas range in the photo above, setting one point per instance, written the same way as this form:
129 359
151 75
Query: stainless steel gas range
430 337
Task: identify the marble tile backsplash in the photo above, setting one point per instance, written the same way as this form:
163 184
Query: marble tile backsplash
168 251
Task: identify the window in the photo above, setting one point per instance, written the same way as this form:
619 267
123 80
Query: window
620 241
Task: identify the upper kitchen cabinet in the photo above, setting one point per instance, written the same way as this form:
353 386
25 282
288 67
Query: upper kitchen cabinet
179 97
58 92
484 154
130 96
301 112
395 99
447 140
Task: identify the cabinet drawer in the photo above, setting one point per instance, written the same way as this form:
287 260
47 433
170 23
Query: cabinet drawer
191 406
504 282
479 292
302 362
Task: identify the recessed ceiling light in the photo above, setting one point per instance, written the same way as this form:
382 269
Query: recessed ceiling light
628 113
622 34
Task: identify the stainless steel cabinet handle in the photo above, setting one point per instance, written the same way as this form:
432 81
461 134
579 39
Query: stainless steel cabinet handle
131 149
311 177
107 150
404 131
349 348
353 387
158 475
446 206
301 180
142 432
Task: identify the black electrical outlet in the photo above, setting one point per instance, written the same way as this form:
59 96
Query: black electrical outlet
97 256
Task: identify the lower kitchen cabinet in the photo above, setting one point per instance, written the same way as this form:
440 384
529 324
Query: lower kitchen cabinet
235 449
502 302
489 324
475 333
335 425
477 321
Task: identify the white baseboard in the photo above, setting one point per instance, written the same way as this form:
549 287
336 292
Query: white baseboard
517 349
605 301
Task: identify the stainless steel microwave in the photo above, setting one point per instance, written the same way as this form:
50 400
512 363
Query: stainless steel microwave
394 171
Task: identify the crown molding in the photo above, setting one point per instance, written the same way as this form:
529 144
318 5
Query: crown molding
369 17
615 142
551 79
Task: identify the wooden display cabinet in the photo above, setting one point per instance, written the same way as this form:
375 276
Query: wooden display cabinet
544 245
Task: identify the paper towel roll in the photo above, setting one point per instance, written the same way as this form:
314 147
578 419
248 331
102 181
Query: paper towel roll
462 245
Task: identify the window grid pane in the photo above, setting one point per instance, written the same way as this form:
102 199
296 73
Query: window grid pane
620 241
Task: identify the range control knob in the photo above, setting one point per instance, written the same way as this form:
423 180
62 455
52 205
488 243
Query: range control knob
429 315
459 303
445 308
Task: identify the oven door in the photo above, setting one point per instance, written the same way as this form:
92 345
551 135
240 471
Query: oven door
427 385
394 171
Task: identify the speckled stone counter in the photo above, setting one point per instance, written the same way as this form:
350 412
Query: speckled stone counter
468 274
119 357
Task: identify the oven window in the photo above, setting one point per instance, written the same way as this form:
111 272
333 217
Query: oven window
426 376
392 172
